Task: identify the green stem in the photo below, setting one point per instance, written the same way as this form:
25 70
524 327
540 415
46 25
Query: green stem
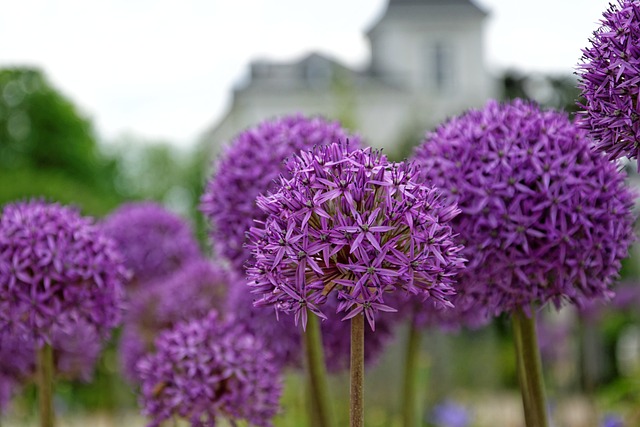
45 384
409 418
356 371
522 379
530 369
317 373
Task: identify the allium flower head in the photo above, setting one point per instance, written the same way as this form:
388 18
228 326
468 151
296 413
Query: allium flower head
280 336
204 370
284 340
154 241
55 263
355 224
450 414
16 364
189 293
76 345
610 82
337 343
249 166
544 218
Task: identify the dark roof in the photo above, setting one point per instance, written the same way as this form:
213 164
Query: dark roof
396 6
435 2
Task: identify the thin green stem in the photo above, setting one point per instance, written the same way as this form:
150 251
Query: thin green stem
530 370
317 374
356 371
45 384
522 379
409 389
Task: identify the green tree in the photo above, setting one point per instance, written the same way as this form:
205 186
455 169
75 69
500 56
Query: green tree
47 148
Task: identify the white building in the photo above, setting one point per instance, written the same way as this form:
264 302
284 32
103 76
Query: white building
427 63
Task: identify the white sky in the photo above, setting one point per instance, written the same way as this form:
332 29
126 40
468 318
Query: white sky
163 69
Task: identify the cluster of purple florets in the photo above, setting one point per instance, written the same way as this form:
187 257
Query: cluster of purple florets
207 369
544 218
154 241
16 364
353 223
249 167
56 265
610 82
189 293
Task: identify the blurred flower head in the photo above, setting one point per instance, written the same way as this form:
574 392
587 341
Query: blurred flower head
154 241
352 223
189 293
249 167
612 420
284 340
450 414
544 218
205 370
56 265
610 82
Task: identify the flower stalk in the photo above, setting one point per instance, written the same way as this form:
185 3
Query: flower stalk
321 410
356 408
530 369
410 373
45 384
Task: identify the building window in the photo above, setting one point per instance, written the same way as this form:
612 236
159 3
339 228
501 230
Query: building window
440 65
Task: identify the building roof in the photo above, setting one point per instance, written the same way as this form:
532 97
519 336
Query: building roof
396 8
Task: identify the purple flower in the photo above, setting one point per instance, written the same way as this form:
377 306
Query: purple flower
612 420
336 338
154 241
450 414
610 82
16 364
204 370
427 314
626 300
189 293
55 265
544 218
249 167
279 335
76 345
354 224
7 390
284 340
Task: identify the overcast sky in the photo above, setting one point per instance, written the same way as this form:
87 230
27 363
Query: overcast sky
163 69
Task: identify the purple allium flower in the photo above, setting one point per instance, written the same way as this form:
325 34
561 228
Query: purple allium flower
204 370
16 364
77 347
544 218
56 264
610 82
355 224
284 340
337 343
189 293
626 300
249 167
7 390
280 336
450 414
612 420
427 314
154 241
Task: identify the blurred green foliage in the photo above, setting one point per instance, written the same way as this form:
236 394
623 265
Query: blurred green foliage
47 147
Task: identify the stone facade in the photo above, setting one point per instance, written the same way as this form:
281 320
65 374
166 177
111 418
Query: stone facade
427 63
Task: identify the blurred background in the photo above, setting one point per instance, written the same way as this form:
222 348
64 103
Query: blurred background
105 102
